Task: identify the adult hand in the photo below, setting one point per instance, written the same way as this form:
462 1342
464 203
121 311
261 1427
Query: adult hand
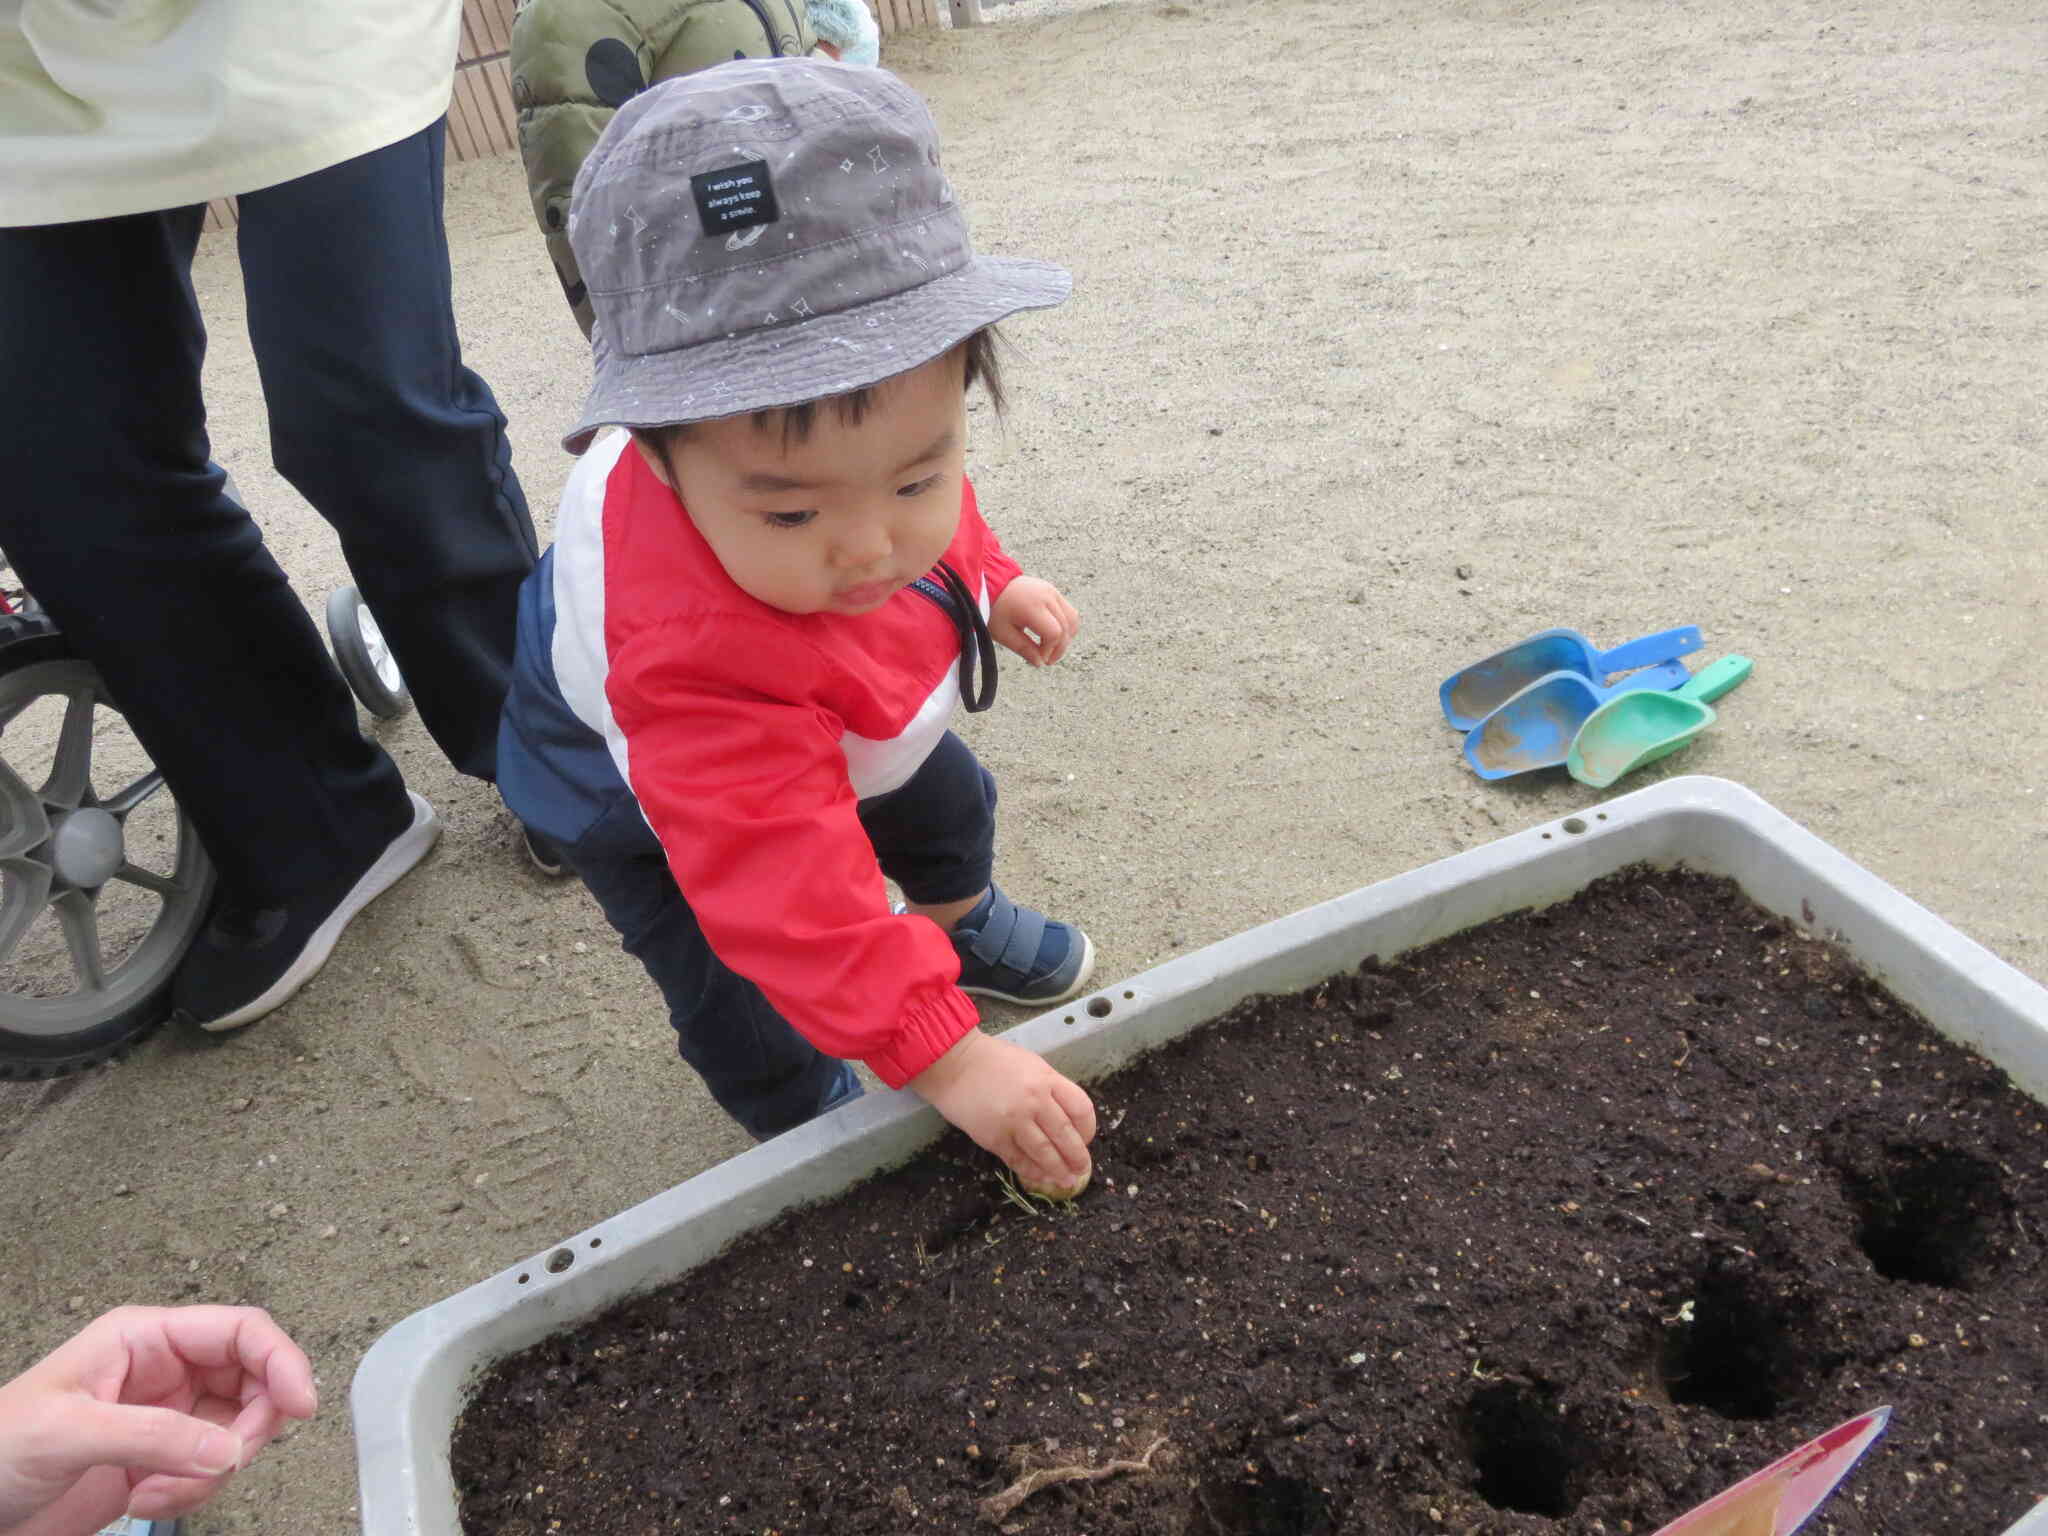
1034 620
146 1411
1015 1105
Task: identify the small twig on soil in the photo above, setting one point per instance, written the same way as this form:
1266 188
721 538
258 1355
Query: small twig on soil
996 1506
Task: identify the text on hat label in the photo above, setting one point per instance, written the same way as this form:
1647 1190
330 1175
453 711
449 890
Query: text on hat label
734 196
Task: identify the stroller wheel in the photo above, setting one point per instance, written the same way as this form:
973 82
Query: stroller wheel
365 660
103 883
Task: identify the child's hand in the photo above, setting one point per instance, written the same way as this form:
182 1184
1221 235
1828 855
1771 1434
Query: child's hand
1032 619
1015 1105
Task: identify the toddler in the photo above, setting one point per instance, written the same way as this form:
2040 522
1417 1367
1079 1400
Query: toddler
767 595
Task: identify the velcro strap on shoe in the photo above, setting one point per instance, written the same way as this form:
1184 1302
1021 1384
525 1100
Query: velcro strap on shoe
1010 937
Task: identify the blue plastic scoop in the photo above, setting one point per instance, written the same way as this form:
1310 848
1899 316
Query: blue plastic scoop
1536 728
1471 695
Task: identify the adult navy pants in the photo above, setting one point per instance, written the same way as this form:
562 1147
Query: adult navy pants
112 511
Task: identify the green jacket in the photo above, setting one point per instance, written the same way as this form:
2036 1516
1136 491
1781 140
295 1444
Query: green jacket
575 62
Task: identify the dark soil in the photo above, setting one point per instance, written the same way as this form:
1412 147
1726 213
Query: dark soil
1560 1225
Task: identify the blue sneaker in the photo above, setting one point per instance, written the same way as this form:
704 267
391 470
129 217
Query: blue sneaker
1020 956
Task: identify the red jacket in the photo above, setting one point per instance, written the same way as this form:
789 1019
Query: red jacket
748 735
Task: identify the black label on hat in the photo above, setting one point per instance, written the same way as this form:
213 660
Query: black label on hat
735 197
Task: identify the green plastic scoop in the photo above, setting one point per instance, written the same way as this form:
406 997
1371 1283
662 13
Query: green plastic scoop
1632 729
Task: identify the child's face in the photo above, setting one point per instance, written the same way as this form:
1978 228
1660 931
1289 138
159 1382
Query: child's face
840 521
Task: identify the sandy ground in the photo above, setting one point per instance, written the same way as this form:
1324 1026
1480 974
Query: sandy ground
1400 332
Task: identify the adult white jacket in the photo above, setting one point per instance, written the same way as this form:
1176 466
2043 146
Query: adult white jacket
127 106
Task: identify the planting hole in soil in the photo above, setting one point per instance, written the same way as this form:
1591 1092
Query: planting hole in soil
1556 1227
1930 1214
1259 1503
1525 1451
1732 1352
966 1218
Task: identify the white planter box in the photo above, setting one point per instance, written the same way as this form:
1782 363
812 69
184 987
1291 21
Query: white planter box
409 1389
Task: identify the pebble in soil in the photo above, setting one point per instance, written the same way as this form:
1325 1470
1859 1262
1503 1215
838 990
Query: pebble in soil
1557 1226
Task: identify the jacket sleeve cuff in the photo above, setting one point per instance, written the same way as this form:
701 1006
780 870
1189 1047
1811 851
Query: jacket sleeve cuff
998 570
929 1027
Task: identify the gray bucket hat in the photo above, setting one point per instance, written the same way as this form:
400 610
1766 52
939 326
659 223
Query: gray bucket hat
771 232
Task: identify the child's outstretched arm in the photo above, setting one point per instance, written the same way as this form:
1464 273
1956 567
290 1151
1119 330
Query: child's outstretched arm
1034 620
1012 1103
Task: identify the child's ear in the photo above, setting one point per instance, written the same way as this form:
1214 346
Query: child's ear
652 456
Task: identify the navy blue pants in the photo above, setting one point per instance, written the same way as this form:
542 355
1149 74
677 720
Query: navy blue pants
111 508
935 837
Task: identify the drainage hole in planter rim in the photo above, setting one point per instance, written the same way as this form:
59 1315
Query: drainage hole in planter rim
1526 1456
1099 1007
560 1260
